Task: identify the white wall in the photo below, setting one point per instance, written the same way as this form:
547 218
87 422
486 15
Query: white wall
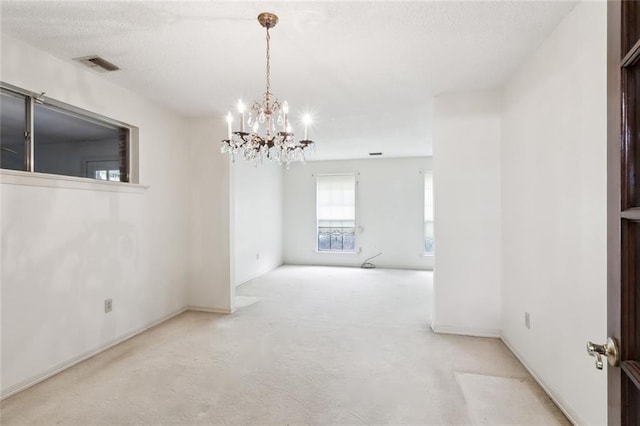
466 152
209 212
389 212
65 250
256 237
554 211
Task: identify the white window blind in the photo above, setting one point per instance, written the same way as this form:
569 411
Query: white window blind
336 200
428 212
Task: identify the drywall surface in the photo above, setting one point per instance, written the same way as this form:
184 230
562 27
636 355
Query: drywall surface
554 211
256 237
389 212
466 155
67 249
209 211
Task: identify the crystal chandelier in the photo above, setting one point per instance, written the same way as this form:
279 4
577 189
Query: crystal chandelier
269 132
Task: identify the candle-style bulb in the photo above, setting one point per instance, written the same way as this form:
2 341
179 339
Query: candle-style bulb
285 110
306 120
229 121
241 111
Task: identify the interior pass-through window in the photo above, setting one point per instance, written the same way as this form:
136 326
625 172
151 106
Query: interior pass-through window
40 135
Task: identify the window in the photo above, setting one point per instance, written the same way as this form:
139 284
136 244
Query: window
428 213
336 212
49 137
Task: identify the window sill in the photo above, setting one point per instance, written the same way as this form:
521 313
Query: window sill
17 177
428 254
348 253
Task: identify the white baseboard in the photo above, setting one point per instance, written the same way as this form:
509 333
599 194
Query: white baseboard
465 331
210 309
257 274
557 399
93 352
410 267
82 357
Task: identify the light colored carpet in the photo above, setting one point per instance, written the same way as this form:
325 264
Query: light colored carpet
310 345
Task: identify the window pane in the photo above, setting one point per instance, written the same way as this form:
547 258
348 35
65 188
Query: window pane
336 241
71 145
13 125
349 241
428 237
324 241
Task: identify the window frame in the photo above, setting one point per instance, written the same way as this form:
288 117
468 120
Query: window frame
355 250
33 98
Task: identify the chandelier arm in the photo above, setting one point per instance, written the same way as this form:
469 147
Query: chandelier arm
243 136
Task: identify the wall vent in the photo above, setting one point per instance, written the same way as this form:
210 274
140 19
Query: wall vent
375 153
97 63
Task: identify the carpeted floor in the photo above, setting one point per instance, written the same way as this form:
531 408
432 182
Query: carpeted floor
312 345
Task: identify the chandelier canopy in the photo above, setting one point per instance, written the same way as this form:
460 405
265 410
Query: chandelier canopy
269 134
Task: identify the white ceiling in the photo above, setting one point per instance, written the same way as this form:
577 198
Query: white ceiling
367 71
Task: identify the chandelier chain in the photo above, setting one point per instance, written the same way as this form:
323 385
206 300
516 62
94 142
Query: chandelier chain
268 64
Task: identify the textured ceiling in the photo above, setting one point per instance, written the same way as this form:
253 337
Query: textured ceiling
367 71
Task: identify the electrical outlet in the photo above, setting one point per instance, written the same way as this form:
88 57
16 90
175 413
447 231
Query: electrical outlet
108 306
527 320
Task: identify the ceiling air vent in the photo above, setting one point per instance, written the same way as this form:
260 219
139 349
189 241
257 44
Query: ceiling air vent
97 63
375 153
